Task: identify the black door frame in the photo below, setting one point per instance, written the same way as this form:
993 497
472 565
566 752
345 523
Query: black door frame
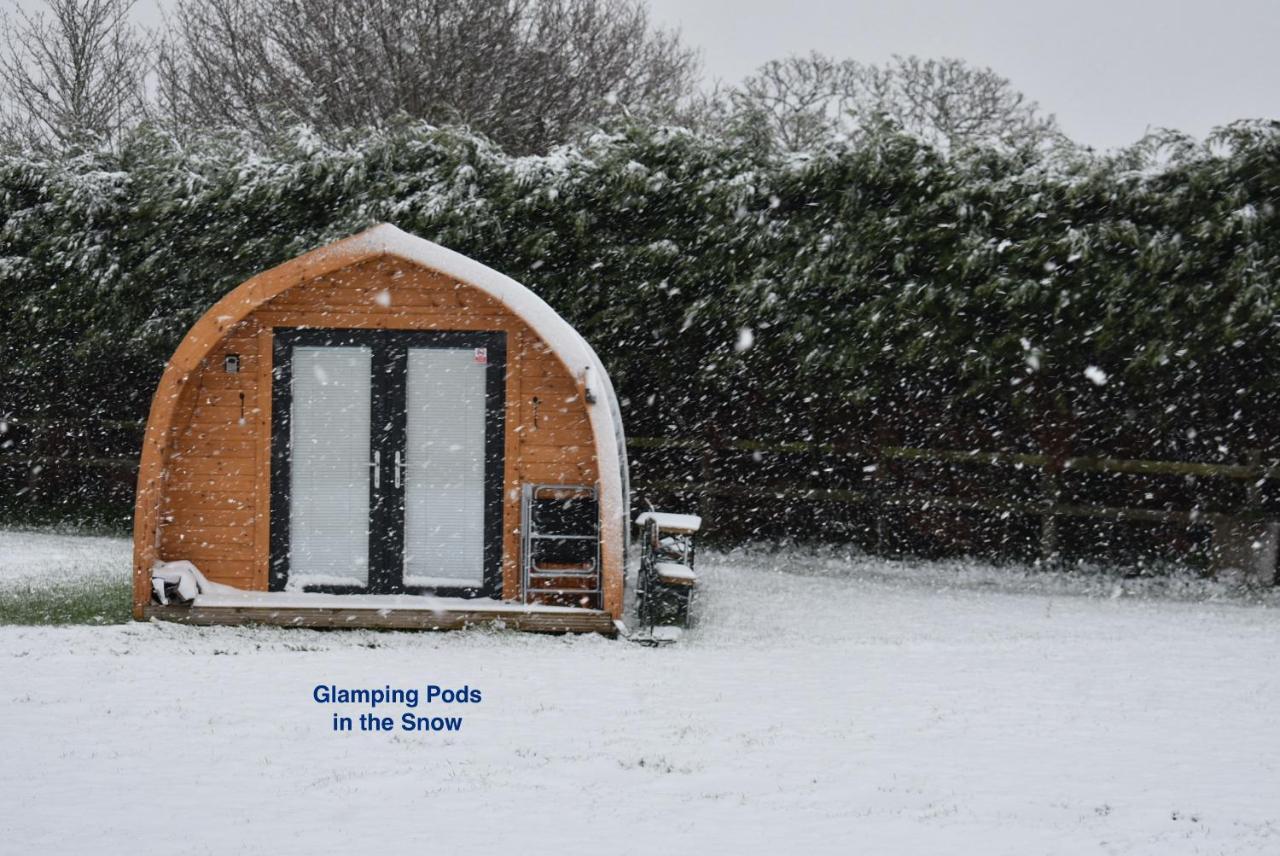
389 418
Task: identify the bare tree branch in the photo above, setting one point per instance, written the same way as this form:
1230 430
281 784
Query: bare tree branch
800 102
526 72
954 105
75 75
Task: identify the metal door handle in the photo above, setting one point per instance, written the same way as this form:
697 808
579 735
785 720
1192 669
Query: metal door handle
376 464
399 463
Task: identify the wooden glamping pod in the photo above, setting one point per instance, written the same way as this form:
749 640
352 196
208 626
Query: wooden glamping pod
383 433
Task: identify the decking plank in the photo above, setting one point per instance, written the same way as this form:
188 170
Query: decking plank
577 621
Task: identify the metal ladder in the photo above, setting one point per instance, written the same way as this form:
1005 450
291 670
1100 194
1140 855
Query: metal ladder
560 539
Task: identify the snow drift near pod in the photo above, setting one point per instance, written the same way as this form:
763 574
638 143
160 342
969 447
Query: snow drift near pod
385 433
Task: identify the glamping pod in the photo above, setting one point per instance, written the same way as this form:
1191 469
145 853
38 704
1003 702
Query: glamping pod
383 433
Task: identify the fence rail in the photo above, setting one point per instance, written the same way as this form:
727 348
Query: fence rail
901 453
1046 505
906 453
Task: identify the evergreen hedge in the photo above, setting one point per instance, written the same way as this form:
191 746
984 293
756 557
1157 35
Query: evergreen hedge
1123 304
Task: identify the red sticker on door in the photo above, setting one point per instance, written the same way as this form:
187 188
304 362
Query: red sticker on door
482 356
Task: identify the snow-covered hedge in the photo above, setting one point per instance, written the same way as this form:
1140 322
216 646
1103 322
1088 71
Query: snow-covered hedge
859 293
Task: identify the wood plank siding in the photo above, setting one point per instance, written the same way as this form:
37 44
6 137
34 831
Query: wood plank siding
214 479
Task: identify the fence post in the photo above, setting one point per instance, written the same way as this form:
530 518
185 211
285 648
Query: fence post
877 497
1253 486
882 485
708 504
1050 493
1050 498
1245 546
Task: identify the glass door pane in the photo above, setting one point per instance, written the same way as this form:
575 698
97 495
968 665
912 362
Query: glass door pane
444 509
329 466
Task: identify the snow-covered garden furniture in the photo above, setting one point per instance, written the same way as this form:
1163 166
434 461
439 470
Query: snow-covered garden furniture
665 587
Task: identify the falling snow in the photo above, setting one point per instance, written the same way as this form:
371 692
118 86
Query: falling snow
963 708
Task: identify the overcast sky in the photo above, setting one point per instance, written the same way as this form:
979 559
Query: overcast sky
1108 69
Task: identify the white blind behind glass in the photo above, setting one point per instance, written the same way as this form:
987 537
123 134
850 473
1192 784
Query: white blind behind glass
444 489
329 469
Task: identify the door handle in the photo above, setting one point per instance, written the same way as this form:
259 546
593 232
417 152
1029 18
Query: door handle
376 465
399 465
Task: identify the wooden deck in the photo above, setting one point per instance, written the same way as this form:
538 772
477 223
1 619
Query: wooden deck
532 618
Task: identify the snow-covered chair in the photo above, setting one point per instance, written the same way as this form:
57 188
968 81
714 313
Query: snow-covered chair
176 582
664 589
180 583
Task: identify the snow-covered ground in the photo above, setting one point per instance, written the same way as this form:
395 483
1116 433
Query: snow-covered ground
37 557
823 705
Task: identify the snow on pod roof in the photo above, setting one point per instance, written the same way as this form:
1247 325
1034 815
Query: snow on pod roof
565 341
387 240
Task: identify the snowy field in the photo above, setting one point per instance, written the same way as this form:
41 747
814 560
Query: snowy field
39 557
822 705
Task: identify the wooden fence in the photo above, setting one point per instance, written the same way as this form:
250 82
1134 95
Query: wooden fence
1251 472
50 443
1243 517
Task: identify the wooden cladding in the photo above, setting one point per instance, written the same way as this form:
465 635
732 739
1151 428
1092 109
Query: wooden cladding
214 488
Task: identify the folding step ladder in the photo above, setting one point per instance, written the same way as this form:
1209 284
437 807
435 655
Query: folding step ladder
560 544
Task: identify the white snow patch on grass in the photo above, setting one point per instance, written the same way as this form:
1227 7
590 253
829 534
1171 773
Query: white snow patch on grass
820 700
50 558
63 579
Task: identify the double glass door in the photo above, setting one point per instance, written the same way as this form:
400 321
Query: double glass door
387 462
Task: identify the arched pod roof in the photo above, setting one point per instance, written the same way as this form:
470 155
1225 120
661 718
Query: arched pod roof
387 241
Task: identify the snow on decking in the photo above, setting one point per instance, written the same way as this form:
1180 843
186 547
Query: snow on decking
821 706
225 596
